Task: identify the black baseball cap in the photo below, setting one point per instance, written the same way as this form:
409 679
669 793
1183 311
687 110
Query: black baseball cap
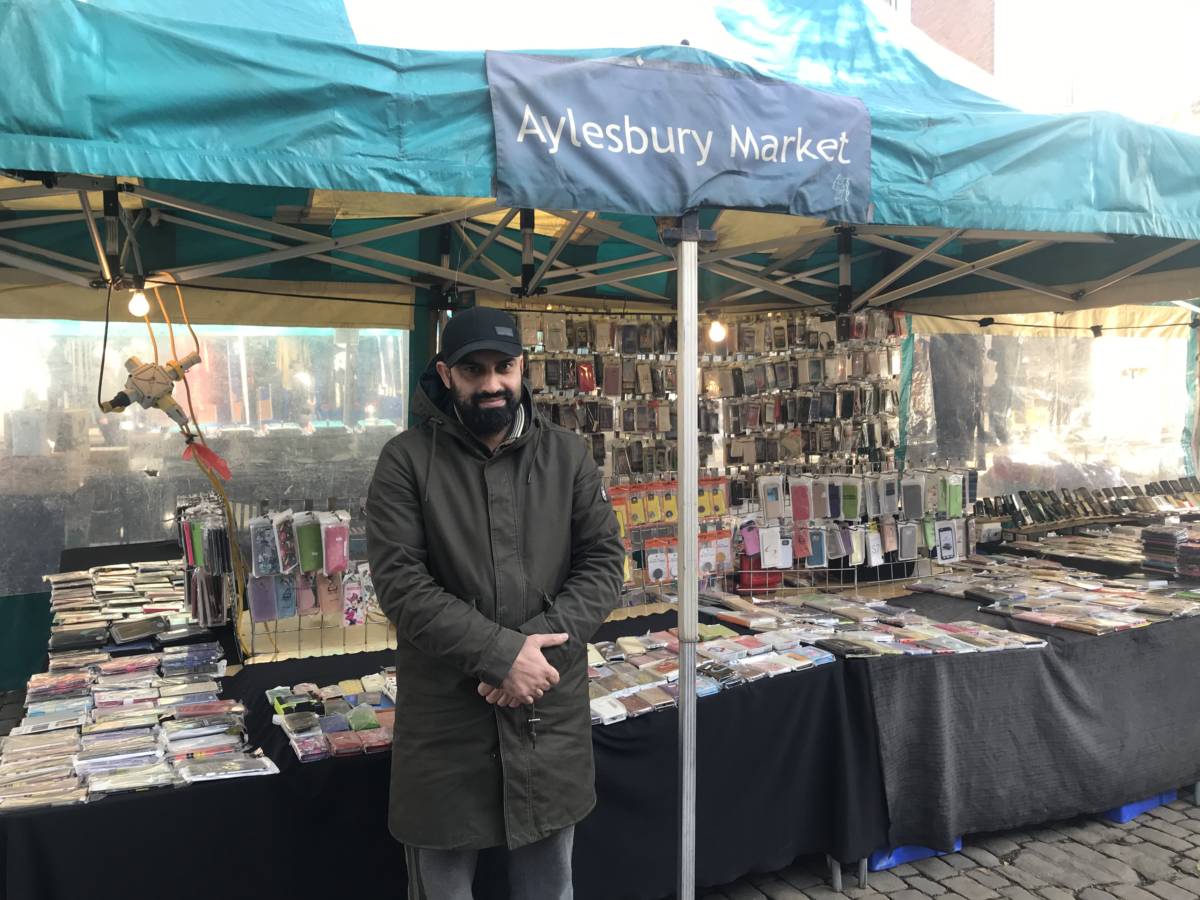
479 328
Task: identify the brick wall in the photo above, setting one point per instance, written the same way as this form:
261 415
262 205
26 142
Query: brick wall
966 27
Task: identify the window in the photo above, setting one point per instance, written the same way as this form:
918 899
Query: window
299 414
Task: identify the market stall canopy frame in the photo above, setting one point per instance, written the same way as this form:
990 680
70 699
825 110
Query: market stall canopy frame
248 148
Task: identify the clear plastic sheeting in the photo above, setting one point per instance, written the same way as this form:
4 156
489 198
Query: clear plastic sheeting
1067 410
300 414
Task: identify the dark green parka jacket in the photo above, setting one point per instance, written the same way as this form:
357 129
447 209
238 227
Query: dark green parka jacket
471 552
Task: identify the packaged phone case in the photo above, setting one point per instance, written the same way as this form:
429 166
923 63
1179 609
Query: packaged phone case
335 537
306 595
301 722
376 741
354 602
285 541
285 596
264 554
226 767
954 496
834 493
820 498
309 551
858 545
851 498
329 594
770 495
935 495
816 558
801 496
912 498
947 542
750 540
138 630
263 604
362 718
585 375
768 541
888 536
835 544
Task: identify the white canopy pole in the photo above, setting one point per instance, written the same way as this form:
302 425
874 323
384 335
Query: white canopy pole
687 397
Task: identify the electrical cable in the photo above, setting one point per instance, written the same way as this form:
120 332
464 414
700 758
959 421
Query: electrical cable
646 313
234 550
186 320
187 388
104 348
988 321
153 342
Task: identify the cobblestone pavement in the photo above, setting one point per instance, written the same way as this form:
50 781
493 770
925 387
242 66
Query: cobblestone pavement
1154 857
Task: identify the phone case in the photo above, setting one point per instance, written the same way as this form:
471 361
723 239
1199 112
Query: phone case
801 495
750 538
262 599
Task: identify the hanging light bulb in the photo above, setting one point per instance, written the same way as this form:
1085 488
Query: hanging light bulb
139 306
716 331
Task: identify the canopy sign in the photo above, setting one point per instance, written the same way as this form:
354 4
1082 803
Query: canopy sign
631 135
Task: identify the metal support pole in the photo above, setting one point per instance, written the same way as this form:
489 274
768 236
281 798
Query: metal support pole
862 872
689 528
845 291
89 219
527 226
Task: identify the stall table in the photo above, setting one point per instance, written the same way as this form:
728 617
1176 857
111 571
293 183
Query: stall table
988 741
787 767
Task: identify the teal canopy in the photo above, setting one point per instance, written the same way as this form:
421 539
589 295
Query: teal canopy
279 106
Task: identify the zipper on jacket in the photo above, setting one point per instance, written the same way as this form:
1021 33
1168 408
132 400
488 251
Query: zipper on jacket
532 722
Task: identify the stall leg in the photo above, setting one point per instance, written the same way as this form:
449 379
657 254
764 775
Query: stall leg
835 873
1196 794
862 872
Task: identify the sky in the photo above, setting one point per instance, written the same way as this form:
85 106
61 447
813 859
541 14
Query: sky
1136 58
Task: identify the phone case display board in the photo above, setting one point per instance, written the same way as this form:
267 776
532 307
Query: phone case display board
781 394
305 595
792 524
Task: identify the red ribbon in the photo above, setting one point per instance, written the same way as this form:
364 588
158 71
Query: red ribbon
209 458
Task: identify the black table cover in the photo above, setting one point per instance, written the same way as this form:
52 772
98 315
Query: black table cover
786 766
988 741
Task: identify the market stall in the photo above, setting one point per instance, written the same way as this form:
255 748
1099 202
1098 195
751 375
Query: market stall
378 167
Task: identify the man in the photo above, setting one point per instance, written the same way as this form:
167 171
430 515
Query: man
495 551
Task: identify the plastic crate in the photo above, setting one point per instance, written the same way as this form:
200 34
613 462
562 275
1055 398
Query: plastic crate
1123 814
895 856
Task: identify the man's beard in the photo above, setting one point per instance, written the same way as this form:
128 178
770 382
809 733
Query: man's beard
486 421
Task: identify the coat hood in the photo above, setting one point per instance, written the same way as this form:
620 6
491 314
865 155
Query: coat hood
434 405
432 400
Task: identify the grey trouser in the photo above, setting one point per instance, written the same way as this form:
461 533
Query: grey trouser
540 871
